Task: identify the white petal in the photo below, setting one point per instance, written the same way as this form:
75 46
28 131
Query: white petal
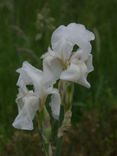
50 52
61 43
80 54
55 103
80 36
65 37
80 30
89 64
27 107
29 75
52 68
76 73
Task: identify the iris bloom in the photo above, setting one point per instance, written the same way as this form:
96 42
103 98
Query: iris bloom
30 101
61 61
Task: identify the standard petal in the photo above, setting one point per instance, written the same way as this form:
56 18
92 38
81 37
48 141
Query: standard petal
55 103
27 107
76 73
80 30
80 36
61 43
52 69
65 37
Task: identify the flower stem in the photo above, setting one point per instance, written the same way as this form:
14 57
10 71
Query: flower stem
44 129
59 146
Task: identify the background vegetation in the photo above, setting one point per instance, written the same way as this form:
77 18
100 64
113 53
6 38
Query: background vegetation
25 32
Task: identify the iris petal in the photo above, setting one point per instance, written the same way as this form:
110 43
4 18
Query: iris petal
76 73
27 107
55 103
65 37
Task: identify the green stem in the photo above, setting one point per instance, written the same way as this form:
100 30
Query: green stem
66 90
52 142
59 146
42 120
43 143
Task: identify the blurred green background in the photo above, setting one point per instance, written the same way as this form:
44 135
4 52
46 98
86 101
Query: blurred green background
25 33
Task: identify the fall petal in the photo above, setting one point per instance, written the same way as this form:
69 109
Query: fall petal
29 75
89 64
55 103
76 73
27 107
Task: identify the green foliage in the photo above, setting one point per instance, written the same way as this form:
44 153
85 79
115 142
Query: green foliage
25 32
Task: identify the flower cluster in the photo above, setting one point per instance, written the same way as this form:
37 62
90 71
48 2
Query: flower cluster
61 62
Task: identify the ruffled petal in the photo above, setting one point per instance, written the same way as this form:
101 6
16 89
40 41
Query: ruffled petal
76 73
29 75
55 103
65 37
79 31
80 36
27 107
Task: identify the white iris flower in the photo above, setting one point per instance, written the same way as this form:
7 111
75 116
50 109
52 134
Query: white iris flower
29 101
62 62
